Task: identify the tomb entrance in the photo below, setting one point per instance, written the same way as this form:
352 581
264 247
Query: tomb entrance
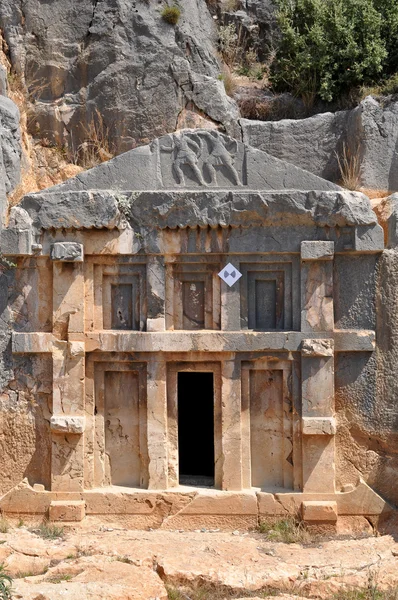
196 428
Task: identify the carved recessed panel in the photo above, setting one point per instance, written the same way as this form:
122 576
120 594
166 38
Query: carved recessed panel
268 423
192 296
119 425
267 296
118 296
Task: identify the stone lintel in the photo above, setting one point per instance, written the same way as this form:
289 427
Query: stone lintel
318 511
237 341
317 250
68 424
319 426
204 341
67 252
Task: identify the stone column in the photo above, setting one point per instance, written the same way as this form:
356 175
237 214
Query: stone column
157 424
156 290
317 286
68 421
231 428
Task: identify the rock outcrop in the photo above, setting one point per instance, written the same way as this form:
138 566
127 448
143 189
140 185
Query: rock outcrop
10 151
368 132
117 59
136 565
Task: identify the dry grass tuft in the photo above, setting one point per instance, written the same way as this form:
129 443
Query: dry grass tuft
289 530
350 167
171 14
4 524
97 147
228 80
48 531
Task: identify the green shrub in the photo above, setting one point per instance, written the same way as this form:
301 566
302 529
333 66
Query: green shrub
171 14
5 584
328 46
388 10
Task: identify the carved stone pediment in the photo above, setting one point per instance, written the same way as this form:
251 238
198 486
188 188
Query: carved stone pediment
196 159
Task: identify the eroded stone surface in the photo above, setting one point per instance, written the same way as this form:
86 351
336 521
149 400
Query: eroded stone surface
368 132
163 67
136 564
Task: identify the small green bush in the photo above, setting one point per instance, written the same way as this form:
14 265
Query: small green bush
5 584
171 14
329 46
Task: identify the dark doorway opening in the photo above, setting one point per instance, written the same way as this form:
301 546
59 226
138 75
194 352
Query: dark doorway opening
196 428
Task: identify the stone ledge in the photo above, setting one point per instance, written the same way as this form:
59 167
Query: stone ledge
68 424
319 426
190 507
204 341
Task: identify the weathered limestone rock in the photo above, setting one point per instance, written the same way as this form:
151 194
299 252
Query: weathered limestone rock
94 577
377 127
369 133
120 563
310 143
127 47
10 152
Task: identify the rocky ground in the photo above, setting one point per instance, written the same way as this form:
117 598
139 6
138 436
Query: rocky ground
120 564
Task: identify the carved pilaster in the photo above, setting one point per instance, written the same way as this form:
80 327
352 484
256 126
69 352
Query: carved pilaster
68 367
318 423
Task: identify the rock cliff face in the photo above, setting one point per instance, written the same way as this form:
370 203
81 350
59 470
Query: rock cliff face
116 57
10 151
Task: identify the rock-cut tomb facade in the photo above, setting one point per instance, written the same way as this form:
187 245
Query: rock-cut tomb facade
167 396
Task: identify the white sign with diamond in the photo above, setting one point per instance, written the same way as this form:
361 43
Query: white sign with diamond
230 274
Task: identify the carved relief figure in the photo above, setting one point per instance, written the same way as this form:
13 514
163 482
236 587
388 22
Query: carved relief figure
220 157
187 152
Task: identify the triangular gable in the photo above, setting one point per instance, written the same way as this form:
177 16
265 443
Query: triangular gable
195 159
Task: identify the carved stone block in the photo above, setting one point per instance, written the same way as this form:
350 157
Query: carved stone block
317 347
319 511
317 250
67 424
15 243
319 426
67 510
67 252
